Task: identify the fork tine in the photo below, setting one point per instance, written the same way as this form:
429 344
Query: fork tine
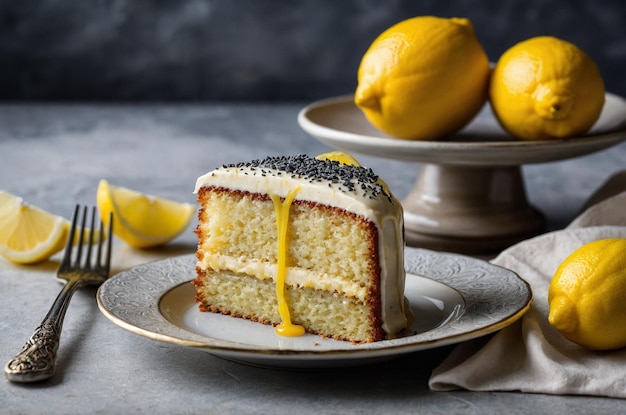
90 239
67 256
100 264
100 242
107 263
79 251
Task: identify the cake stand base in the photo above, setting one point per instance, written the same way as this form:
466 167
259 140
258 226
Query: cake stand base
469 210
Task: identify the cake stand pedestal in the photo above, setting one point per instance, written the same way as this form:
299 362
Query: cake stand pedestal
470 195
472 210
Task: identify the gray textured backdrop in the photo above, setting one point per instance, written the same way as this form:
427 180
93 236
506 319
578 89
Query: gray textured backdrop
255 49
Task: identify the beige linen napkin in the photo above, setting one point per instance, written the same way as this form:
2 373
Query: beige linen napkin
530 355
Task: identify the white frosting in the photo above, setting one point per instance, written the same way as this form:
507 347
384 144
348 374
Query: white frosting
372 201
323 192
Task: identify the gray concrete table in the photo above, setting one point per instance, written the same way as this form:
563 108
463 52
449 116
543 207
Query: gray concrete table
54 155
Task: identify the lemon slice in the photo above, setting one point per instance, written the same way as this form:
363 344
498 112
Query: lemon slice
340 156
29 234
142 220
347 158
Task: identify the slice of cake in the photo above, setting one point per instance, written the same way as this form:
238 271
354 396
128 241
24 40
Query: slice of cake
302 244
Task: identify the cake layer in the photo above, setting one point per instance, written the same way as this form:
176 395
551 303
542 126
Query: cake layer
319 311
326 248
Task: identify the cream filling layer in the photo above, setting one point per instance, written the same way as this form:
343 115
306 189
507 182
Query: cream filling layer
296 277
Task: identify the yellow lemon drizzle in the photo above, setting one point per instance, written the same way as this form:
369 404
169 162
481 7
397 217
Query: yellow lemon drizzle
282 219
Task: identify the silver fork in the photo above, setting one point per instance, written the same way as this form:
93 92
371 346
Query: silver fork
37 360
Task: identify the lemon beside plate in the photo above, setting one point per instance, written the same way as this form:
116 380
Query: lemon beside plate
142 220
587 295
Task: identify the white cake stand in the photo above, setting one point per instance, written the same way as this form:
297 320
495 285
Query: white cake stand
470 195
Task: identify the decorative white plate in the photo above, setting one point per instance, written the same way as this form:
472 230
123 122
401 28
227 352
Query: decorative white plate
453 297
339 123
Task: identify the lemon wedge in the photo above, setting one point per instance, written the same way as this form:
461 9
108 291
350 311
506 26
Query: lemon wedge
142 220
340 156
29 234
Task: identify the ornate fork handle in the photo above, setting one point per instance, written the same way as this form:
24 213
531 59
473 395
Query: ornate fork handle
37 359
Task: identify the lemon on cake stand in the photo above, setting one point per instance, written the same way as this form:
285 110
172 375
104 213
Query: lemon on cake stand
470 195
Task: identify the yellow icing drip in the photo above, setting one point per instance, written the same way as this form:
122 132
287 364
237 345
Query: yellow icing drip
286 328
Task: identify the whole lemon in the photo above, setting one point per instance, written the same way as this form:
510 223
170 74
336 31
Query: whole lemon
546 88
423 78
587 295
